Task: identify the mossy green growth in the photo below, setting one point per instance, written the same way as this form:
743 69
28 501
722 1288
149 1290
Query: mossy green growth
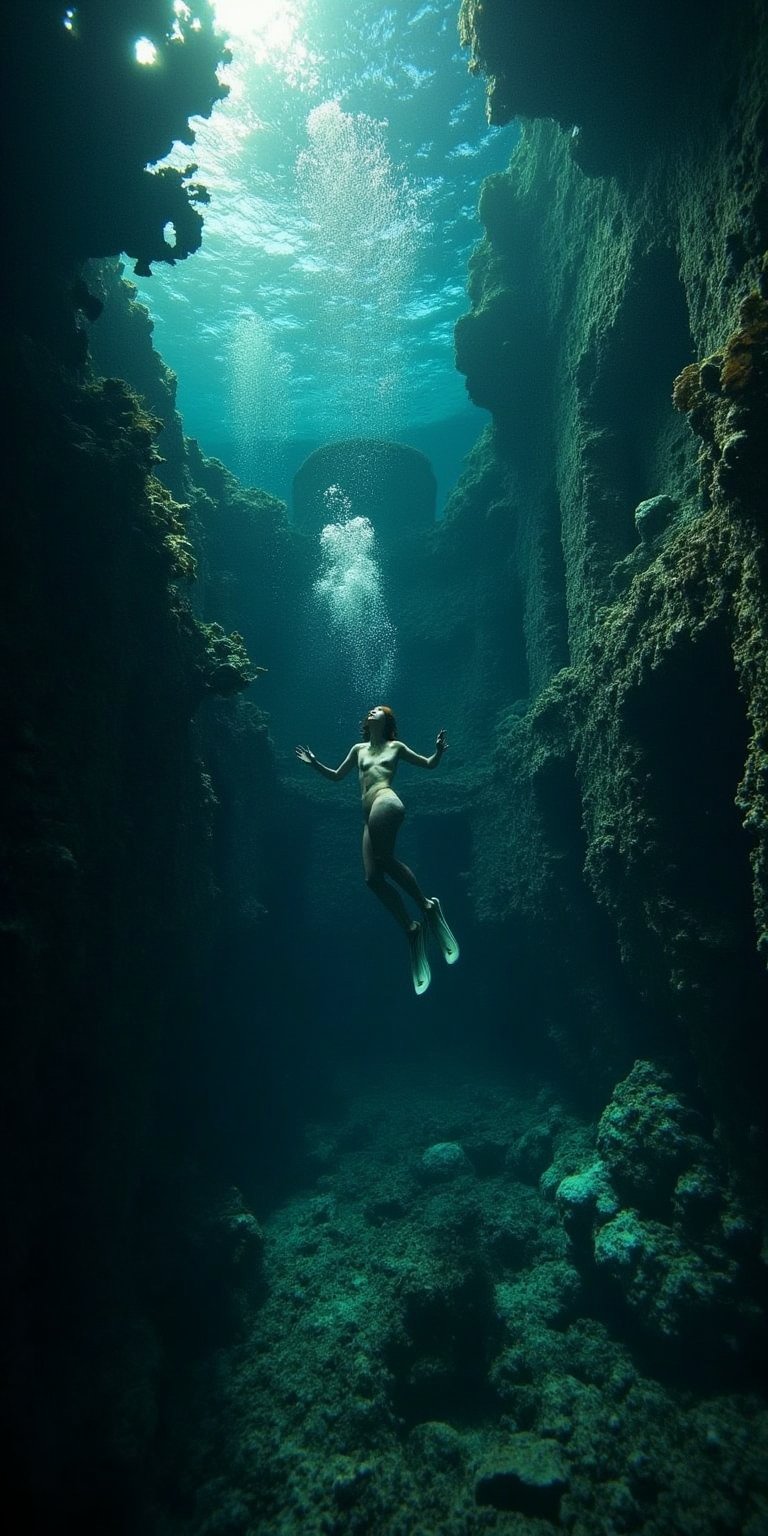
224 663
745 356
409 1370
647 1135
168 516
673 1288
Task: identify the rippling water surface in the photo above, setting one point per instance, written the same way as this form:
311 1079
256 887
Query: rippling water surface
344 171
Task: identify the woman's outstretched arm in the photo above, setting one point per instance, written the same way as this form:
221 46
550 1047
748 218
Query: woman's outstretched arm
409 756
306 756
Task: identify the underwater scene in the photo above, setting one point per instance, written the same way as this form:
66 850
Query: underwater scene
385 768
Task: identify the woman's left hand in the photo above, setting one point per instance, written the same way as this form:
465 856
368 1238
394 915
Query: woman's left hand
441 743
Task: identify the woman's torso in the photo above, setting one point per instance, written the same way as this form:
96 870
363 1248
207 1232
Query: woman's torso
376 768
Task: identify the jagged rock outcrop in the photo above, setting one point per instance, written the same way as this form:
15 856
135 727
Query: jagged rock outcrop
616 79
107 894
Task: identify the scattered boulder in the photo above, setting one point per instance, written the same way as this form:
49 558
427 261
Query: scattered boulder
653 516
444 1160
532 1152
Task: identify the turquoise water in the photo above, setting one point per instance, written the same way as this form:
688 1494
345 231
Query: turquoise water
344 171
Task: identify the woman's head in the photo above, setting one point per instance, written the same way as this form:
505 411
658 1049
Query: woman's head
384 713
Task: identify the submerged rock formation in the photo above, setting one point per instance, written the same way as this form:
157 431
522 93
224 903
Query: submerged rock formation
92 120
109 891
615 78
646 656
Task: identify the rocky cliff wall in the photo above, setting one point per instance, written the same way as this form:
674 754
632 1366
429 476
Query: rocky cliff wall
620 249
109 889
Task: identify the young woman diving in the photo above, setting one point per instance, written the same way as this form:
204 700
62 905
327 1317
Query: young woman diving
377 757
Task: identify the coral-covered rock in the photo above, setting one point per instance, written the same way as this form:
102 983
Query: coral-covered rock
653 516
658 1230
444 1160
647 1135
586 1200
672 1290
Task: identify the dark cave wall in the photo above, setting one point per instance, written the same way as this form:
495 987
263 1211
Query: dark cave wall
612 258
108 892
110 888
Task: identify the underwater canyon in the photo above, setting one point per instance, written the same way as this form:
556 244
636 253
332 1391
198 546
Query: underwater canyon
288 1247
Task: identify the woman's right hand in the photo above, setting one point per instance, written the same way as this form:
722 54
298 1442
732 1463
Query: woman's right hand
304 754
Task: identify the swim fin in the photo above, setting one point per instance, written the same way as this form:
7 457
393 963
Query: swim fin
440 931
421 975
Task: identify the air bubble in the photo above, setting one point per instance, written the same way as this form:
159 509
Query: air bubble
350 598
260 401
364 234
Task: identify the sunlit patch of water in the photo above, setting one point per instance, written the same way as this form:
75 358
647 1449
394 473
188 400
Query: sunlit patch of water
365 234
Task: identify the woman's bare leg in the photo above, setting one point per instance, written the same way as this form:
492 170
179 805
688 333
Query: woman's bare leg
406 879
379 836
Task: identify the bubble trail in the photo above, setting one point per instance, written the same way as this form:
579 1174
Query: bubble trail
260 399
349 594
365 232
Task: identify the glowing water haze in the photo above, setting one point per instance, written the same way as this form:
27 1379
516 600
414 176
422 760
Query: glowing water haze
364 235
260 400
350 599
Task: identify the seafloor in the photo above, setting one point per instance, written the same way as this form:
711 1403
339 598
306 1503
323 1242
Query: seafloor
464 1328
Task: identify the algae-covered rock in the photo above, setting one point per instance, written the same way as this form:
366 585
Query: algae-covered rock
674 1291
532 1152
545 1295
654 1220
647 1135
611 77
586 1200
440 1444
653 516
526 1474
697 1198
444 1160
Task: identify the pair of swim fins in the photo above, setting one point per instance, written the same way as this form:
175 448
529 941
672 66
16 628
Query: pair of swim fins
434 921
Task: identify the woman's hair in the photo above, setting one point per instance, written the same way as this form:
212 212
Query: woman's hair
390 724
